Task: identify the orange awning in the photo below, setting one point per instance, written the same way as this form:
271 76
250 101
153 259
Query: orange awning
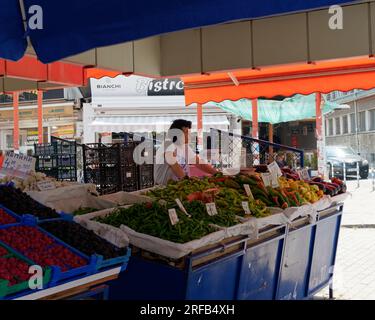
286 80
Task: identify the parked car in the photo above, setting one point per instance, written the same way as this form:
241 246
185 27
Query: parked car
337 155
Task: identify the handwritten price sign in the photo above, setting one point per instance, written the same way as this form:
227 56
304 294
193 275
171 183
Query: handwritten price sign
17 165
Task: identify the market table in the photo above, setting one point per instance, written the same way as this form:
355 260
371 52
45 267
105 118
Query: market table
73 288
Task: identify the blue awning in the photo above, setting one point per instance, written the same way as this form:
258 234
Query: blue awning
12 41
72 26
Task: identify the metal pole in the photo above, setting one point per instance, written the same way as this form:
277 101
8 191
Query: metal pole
356 120
358 175
373 179
333 170
344 171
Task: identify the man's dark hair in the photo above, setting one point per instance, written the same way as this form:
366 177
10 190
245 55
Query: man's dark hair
179 124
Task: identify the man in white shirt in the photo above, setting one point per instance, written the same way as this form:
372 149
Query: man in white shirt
174 157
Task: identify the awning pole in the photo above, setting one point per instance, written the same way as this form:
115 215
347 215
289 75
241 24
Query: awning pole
200 126
270 138
40 116
319 134
255 131
16 128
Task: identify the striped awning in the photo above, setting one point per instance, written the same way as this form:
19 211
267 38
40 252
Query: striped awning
154 123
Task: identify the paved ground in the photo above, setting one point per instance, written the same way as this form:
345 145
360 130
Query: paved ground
354 277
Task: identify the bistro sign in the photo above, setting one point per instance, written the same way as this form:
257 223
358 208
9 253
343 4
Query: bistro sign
135 86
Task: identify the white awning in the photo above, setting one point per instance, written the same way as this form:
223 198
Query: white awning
154 123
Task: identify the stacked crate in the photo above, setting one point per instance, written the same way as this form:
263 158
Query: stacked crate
101 165
57 159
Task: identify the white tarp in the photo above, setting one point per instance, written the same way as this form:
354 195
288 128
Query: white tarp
306 210
71 198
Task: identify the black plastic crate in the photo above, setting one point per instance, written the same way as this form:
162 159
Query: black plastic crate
64 146
45 162
64 174
129 175
45 149
145 176
126 154
98 153
66 160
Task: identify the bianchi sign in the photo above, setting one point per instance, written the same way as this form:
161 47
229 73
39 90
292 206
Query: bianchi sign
133 86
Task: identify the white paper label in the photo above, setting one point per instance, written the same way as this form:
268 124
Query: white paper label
266 177
248 191
46 185
274 181
303 174
128 174
245 206
17 165
173 216
274 169
211 209
182 208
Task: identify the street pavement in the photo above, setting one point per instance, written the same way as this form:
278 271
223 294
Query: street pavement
354 274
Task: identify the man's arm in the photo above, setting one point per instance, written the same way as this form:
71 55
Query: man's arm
205 166
176 168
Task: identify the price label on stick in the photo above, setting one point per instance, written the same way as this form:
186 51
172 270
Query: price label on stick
182 208
266 177
303 174
245 206
274 169
248 191
211 209
173 216
46 185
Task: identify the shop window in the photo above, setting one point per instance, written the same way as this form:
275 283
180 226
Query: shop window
330 127
352 123
372 119
338 126
362 121
345 124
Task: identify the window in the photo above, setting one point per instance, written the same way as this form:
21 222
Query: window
338 126
352 123
362 121
345 128
372 119
330 127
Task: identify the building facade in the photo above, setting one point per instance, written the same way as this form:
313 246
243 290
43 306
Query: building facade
354 126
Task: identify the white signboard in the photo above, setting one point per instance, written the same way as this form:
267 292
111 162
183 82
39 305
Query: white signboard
17 165
46 185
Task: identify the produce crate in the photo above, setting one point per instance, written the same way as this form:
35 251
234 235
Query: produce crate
58 275
102 263
4 212
5 289
146 176
45 162
66 160
45 149
129 178
49 172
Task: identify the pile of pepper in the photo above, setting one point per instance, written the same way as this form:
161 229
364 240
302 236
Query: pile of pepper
153 219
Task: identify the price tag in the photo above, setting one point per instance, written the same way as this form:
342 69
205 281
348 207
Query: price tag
182 208
128 174
211 209
274 169
303 174
245 206
17 165
274 181
266 177
248 191
173 216
46 185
